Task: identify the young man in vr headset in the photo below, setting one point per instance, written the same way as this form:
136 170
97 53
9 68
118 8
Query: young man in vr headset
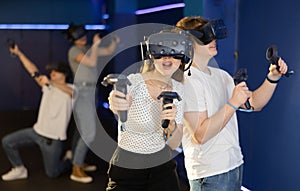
213 157
50 130
83 61
142 160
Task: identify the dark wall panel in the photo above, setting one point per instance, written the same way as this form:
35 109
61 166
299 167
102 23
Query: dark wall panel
270 139
19 90
51 11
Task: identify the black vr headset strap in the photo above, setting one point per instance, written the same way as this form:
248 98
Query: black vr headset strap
214 29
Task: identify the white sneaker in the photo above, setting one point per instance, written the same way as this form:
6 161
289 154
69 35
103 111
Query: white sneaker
86 179
16 173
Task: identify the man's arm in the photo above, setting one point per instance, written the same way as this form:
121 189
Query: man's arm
65 88
204 128
261 96
29 66
105 51
95 51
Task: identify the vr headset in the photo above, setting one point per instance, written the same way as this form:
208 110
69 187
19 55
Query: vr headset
75 32
174 43
214 29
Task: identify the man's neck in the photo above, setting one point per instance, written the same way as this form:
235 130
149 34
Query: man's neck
202 65
59 82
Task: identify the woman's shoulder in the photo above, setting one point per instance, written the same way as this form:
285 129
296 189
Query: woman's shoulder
135 77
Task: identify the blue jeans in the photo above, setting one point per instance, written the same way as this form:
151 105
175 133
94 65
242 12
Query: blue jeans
51 150
229 181
85 115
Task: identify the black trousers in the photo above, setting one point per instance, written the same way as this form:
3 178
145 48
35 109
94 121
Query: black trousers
162 177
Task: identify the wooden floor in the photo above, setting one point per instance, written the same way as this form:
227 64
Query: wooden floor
37 180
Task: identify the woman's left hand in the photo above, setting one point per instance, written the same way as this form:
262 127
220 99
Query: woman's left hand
169 114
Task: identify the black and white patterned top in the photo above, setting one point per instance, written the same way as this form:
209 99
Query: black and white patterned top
143 132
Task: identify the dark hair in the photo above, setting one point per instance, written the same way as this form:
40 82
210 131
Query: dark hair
58 67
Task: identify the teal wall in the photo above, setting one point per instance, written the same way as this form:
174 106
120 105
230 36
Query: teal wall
193 7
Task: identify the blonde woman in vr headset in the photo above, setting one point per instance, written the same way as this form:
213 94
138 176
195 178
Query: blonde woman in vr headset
143 160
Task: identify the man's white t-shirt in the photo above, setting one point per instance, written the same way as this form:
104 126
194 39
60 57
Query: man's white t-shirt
221 153
54 113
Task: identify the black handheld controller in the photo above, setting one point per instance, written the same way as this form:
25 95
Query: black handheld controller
10 43
36 75
242 76
168 97
120 83
273 57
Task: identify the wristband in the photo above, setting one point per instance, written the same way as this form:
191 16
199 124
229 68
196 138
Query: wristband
167 132
231 105
35 74
272 81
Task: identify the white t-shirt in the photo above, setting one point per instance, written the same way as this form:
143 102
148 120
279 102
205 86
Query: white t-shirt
54 113
143 132
222 153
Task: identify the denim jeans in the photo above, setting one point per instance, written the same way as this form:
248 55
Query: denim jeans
51 150
229 181
85 115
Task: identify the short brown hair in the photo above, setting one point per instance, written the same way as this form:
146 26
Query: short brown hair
191 23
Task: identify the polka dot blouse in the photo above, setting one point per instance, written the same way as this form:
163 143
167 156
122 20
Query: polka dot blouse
143 132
